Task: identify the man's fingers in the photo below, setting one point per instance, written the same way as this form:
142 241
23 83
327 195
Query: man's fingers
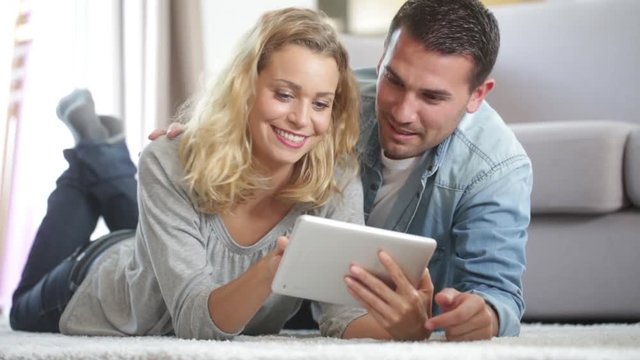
175 129
478 327
372 282
377 316
397 276
368 299
426 286
461 313
469 317
172 131
445 320
446 298
156 134
469 329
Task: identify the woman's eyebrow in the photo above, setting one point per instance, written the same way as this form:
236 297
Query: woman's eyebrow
298 88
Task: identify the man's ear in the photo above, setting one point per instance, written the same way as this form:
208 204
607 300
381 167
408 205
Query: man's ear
479 94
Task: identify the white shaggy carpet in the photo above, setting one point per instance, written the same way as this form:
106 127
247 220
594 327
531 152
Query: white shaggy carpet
607 341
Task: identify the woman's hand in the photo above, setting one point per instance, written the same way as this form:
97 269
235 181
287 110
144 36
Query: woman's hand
271 261
232 305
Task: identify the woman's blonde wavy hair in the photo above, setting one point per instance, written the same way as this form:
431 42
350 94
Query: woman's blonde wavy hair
215 149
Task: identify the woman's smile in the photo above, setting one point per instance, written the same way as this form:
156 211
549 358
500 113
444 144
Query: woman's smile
290 139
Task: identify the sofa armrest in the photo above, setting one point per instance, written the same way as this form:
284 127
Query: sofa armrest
632 167
578 166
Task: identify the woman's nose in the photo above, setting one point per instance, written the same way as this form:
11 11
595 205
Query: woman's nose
300 115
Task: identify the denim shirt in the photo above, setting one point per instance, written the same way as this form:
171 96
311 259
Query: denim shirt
472 195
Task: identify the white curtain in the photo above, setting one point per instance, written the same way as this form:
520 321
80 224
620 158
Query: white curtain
163 62
124 53
139 58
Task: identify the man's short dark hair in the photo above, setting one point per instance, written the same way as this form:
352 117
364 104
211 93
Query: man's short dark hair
453 27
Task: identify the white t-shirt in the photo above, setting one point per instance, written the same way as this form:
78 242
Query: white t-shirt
394 176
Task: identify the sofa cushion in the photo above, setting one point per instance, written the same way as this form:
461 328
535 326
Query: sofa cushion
577 165
632 167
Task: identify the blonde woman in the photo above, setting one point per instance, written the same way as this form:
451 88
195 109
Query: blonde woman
272 139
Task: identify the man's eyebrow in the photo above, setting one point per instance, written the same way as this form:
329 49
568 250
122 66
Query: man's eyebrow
388 69
437 93
440 93
298 88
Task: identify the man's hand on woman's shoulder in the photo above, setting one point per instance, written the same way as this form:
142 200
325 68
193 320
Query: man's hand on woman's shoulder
174 129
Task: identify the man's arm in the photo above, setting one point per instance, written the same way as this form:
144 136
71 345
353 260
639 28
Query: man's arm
490 234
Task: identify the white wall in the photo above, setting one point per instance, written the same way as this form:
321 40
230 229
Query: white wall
372 17
558 60
568 60
224 22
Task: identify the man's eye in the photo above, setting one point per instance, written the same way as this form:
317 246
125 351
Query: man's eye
432 99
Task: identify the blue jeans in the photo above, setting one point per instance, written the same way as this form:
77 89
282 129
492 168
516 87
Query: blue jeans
100 181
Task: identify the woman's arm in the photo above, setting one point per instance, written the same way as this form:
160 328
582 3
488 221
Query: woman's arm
174 244
231 306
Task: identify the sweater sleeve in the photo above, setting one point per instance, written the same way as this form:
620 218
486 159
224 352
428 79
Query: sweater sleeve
170 236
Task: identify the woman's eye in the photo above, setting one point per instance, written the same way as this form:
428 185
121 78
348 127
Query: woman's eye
283 96
319 105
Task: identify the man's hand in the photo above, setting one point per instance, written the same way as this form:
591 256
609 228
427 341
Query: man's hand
401 312
464 317
172 131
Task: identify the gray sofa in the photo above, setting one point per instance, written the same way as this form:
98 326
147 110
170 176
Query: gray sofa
584 237
567 89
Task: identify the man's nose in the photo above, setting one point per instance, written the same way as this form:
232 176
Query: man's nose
405 108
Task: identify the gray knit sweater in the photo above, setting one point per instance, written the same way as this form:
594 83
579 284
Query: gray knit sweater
159 282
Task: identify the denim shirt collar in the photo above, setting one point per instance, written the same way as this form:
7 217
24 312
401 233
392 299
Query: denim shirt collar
371 156
410 196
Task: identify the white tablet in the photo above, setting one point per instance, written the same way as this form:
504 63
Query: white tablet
321 250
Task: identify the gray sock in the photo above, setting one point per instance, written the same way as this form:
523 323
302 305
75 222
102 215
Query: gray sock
77 111
114 126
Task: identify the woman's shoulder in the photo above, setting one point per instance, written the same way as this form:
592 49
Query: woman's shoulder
345 205
347 176
162 153
162 146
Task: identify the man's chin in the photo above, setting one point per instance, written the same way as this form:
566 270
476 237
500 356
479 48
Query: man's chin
396 153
